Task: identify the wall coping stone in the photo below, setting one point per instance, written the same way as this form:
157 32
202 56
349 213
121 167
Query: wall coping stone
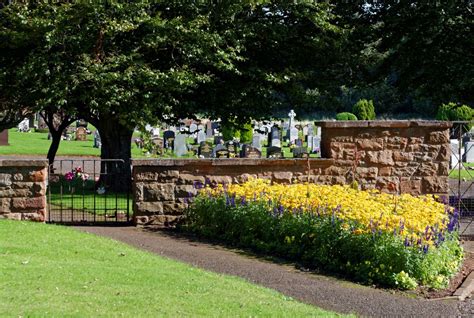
314 162
384 124
24 163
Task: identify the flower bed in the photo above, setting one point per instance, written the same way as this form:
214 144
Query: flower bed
399 241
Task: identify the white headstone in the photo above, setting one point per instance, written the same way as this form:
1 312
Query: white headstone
293 134
24 125
469 151
155 131
292 116
305 131
180 147
201 136
257 141
316 144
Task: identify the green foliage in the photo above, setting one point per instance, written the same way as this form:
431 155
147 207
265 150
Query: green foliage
364 110
243 132
346 116
453 112
324 242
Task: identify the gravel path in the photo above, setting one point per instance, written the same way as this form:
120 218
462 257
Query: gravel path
325 292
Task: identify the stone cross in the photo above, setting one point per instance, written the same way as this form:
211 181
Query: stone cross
292 115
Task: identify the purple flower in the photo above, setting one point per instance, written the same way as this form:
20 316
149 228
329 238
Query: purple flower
425 249
406 242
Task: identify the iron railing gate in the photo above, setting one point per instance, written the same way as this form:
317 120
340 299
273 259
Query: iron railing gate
83 192
461 176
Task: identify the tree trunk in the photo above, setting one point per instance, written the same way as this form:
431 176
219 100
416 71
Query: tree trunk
116 144
53 148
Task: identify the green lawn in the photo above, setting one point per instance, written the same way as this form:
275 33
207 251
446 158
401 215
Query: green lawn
54 271
101 204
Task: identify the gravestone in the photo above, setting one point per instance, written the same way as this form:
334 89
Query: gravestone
316 144
305 131
293 134
4 137
469 151
24 125
220 151
97 140
454 143
42 127
274 137
81 133
201 136
310 130
218 140
257 141
310 142
158 145
232 147
205 150
209 130
180 147
299 143
300 152
193 129
274 152
250 152
168 138
155 131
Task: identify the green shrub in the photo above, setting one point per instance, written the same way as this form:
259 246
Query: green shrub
231 131
346 116
453 112
325 242
364 110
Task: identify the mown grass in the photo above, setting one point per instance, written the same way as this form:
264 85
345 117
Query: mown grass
55 271
89 202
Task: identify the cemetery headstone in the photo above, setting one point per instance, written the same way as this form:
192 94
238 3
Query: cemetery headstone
310 130
168 138
42 127
275 140
180 147
257 141
232 147
220 151
250 152
81 133
299 143
293 134
316 144
218 140
455 159
300 152
310 141
193 128
201 136
97 140
305 131
205 150
469 151
209 130
274 152
4 137
24 125
158 145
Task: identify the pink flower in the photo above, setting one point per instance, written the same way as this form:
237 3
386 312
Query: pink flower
69 176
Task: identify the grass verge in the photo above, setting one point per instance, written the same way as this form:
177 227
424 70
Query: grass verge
50 270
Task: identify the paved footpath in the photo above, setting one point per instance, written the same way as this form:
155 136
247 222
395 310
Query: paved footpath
325 292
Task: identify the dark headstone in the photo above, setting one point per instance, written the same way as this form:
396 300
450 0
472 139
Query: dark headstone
233 149
274 139
220 151
205 150
274 152
168 137
250 152
300 152
4 137
218 140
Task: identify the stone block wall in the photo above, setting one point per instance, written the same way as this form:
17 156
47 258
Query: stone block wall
392 156
23 189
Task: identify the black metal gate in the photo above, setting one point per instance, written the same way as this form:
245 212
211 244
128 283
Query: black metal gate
461 176
82 191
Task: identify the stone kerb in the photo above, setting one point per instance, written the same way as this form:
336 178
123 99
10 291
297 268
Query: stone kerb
23 189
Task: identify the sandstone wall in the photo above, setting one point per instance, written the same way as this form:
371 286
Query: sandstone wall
393 156
23 189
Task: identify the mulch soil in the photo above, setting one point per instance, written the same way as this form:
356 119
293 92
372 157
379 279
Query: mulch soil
324 291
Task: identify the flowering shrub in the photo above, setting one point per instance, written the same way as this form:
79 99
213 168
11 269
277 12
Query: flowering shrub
398 241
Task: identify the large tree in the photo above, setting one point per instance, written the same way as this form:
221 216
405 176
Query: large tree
118 65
